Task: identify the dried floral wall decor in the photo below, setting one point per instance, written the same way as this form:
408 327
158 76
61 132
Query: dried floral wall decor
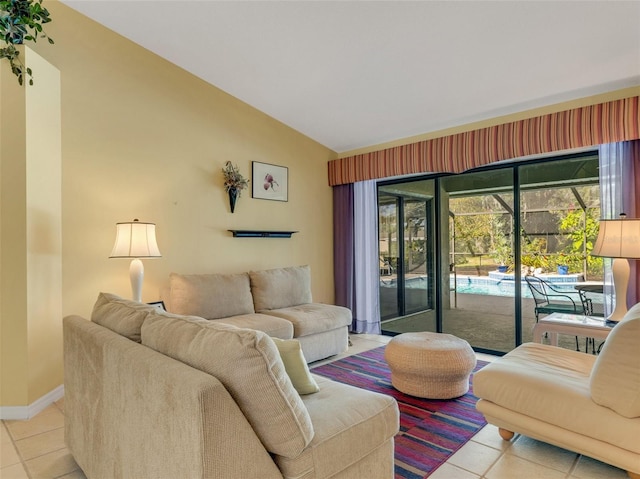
234 183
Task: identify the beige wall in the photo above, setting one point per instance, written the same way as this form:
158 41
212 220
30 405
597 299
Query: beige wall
13 246
31 253
143 139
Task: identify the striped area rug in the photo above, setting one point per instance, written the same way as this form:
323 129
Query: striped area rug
431 430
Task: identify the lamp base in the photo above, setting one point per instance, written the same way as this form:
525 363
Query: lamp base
621 270
136 275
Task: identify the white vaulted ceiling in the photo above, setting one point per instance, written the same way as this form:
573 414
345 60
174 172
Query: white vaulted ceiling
351 74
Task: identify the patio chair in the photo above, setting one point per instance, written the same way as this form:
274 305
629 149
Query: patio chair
551 300
385 267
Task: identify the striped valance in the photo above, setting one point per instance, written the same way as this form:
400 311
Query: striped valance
608 122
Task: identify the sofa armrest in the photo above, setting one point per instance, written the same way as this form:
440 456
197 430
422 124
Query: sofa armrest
133 412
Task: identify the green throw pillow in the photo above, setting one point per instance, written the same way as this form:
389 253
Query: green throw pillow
296 366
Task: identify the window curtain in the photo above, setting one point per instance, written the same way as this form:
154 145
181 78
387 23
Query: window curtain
355 255
367 264
343 259
591 125
619 193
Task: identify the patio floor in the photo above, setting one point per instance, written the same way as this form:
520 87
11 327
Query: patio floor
484 321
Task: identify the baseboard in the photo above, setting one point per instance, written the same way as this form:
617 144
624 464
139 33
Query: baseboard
27 412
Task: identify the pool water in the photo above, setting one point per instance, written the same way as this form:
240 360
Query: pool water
505 287
497 284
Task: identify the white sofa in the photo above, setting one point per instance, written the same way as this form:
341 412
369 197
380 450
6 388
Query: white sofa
276 301
153 395
580 402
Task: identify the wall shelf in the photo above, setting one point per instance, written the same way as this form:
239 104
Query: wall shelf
261 234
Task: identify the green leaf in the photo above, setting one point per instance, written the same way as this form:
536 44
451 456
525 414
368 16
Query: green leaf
20 21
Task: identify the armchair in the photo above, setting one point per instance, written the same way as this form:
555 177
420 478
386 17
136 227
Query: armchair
580 402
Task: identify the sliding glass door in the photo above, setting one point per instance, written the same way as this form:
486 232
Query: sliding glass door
559 216
455 251
478 288
406 218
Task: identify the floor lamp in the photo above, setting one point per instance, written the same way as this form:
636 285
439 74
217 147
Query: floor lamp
135 240
619 239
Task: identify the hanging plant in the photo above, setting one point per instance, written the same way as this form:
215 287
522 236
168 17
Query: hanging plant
234 183
21 21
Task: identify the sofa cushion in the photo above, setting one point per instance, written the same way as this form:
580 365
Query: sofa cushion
280 288
120 315
210 296
551 384
248 364
296 366
349 423
615 379
272 325
313 318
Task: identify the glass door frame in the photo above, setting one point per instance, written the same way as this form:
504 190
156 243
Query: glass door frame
437 240
430 219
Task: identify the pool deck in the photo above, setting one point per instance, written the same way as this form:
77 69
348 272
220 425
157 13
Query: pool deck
485 321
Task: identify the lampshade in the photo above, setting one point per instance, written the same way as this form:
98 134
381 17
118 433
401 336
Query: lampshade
618 239
135 239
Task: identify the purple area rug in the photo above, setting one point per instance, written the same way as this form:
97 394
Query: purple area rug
431 430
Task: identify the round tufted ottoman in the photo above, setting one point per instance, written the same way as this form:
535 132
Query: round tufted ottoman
430 365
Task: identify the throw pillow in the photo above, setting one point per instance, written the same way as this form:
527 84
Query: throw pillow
211 296
281 288
296 366
248 364
122 316
615 377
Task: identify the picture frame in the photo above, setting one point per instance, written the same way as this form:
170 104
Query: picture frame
269 182
158 304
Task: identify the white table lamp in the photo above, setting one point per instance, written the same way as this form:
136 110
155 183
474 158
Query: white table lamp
136 240
619 239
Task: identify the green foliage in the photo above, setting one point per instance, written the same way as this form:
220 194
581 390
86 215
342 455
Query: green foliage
473 232
21 21
502 249
534 254
574 225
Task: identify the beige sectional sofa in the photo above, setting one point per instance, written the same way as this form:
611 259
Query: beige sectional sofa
584 403
151 394
276 301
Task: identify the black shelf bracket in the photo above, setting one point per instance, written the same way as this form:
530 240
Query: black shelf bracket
261 234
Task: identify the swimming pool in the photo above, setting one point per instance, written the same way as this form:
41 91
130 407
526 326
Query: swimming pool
484 286
496 284
505 286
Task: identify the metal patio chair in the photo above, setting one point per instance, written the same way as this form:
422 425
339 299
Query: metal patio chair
549 299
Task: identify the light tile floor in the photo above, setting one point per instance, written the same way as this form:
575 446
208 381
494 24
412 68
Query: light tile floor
35 449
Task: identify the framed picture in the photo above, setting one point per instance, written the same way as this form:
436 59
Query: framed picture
158 304
269 182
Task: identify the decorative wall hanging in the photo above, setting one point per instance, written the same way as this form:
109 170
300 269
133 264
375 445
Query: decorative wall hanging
21 21
234 183
270 182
